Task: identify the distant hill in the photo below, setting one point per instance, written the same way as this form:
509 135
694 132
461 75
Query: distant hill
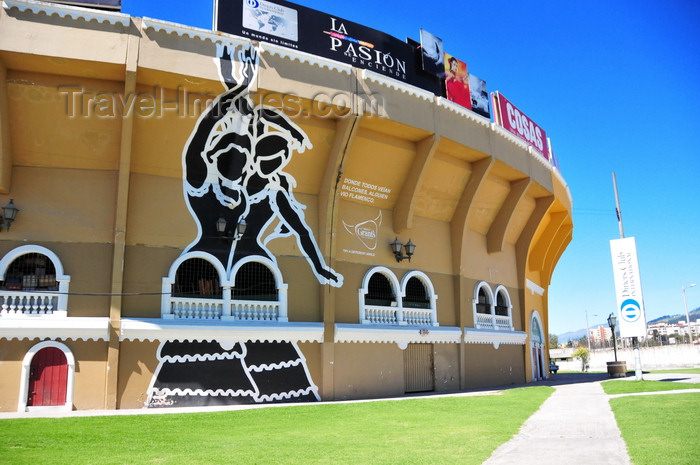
668 319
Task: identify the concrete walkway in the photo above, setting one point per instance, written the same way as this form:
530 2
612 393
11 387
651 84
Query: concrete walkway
575 425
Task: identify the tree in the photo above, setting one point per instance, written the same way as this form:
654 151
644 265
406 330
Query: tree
584 355
553 341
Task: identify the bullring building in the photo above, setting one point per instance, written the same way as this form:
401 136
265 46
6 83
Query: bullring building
287 208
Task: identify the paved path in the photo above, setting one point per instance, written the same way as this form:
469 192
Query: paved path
575 425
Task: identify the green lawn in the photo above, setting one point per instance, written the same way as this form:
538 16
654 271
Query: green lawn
446 430
660 429
621 386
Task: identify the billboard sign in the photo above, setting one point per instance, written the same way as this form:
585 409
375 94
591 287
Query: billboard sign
515 121
457 81
295 26
628 288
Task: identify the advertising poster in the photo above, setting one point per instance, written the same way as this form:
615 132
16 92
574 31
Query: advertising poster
479 96
457 81
516 122
628 288
432 53
294 26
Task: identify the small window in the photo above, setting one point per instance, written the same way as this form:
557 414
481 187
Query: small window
483 305
379 291
255 281
197 277
416 294
501 305
30 272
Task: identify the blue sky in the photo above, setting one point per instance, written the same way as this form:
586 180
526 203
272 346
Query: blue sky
615 86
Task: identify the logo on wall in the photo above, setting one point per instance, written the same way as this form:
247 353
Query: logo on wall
366 231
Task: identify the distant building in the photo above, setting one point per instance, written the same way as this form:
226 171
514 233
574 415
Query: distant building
600 335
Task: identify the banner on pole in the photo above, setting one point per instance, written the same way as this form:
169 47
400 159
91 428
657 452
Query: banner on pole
628 288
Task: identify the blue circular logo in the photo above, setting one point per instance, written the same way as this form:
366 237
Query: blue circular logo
630 310
253 3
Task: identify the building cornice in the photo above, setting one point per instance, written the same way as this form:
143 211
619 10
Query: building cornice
485 336
401 335
156 329
66 11
45 327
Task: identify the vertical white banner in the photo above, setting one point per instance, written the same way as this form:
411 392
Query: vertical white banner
628 288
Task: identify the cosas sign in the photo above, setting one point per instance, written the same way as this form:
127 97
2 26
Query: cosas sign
516 122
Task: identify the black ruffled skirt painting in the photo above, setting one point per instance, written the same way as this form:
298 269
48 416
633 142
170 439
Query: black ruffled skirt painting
193 374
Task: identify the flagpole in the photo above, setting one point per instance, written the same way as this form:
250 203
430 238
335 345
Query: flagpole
635 340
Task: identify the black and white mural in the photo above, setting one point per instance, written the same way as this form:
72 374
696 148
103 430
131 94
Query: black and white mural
234 169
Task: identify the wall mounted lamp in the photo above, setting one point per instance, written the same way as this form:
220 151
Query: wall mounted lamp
396 247
9 213
231 235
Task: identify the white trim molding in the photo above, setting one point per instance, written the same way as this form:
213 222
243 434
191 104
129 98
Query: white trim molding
487 336
70 328
156 329
462 111
402 336
534 288
382 80
66 11
303 57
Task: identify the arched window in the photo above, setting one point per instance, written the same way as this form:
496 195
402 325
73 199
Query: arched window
418 302
32 283
380 292
490 316
197 288
197 277
417 295
383 301
30 272
255 281
483 304
502 302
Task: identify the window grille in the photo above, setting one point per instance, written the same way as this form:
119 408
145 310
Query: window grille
416 294
197 277
379 291
30 272
501 305
483 305
255 281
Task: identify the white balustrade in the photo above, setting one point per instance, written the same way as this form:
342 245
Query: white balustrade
27 303
415 316
489 321
196 309
380 315
255 310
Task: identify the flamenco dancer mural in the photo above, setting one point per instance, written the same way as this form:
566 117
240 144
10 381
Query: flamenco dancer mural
233 172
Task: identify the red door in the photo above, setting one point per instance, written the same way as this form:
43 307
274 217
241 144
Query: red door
48 377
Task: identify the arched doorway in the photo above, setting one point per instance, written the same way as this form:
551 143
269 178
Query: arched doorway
537 348
48 370
48 377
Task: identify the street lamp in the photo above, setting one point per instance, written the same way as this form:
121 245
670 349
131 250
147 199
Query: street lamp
612 320
687 315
